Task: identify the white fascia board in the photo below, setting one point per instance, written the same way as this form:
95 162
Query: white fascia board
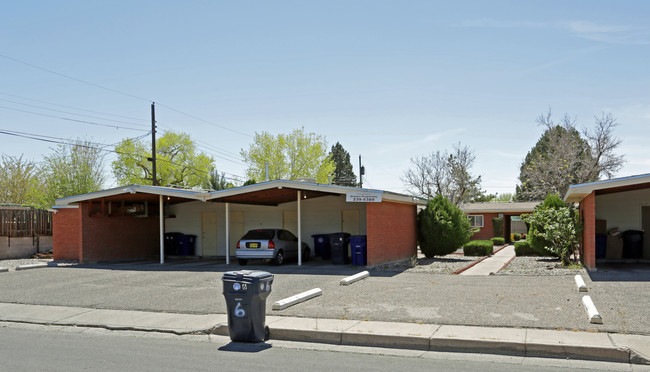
576 193
131 189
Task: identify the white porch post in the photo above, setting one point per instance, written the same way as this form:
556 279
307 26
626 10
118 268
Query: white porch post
227 233
162 229
299 231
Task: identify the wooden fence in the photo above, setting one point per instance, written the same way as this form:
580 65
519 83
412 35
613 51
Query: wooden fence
24 222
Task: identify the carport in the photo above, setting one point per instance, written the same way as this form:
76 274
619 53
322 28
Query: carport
219 218
620 204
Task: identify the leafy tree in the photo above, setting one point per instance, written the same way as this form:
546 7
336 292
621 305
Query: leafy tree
178 162
442 227
19 183
343 173
289 156
555 228
217 181
563 156
446 174
73 169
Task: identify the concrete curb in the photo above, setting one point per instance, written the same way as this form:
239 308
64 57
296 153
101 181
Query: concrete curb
621 348
296 299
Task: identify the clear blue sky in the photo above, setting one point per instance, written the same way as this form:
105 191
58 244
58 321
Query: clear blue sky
390 80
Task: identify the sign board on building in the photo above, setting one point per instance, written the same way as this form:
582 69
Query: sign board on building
363 197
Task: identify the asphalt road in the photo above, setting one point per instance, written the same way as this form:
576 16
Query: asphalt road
550 302
70 349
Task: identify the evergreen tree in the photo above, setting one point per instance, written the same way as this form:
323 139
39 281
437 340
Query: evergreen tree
343 174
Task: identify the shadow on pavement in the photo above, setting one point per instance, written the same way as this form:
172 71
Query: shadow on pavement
621 272
314 266
243 347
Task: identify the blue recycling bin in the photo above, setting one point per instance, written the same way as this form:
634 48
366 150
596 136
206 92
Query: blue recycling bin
601 245
322 245
186 245
359 247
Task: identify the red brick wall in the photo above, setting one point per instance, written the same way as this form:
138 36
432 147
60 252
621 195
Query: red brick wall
486 231
66 234
78 236
391 230
588 214
119 237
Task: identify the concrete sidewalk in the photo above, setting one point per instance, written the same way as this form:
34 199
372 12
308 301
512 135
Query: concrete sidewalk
493 263
609 347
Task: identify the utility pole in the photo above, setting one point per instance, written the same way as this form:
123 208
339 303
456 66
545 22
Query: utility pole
153 143
362 171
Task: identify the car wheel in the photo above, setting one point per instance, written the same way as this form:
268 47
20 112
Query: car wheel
279 258
306 254
242 262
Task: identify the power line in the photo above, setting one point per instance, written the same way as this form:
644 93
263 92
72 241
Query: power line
124 94
68 112
74 78
71 119
62 141
74 108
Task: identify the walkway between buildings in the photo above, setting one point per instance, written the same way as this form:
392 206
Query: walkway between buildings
493 263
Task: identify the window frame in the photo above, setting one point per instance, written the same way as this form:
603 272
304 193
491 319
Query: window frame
472 219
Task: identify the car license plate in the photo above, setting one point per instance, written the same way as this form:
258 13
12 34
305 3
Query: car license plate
253 245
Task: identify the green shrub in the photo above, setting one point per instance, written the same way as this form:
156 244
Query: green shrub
555 229
517 236
478 248
498 241
523 248
524 236
497 226
442 227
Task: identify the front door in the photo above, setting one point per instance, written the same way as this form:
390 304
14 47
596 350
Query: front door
645 225
209 233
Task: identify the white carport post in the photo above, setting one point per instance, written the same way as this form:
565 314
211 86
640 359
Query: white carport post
299 231
162 229
227 233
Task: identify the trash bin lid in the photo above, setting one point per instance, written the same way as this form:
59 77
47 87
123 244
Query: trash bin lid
248 276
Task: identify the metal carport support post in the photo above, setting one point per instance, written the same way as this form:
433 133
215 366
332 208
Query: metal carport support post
161 213
227 233
299 231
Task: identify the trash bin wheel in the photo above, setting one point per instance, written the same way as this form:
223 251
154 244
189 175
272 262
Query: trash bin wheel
267 333
279 258
242 262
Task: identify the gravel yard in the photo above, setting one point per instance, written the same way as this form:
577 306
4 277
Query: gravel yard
528 266
537 266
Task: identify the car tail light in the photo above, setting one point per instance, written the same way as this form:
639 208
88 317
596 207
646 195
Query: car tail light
271 244
237 245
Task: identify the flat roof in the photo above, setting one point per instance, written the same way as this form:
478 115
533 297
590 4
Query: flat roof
265 193
576 193
518 207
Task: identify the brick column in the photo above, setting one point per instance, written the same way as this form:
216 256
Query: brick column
588 214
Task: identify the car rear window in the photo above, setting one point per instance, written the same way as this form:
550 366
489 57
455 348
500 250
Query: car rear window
259 235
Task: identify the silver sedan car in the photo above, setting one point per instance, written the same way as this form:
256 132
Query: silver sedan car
274 244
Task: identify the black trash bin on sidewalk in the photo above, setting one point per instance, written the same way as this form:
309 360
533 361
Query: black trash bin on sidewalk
339 243
246 292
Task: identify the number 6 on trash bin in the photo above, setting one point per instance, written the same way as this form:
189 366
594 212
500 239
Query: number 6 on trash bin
239 312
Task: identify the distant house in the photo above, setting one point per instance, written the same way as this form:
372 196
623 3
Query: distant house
482 215
608 208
